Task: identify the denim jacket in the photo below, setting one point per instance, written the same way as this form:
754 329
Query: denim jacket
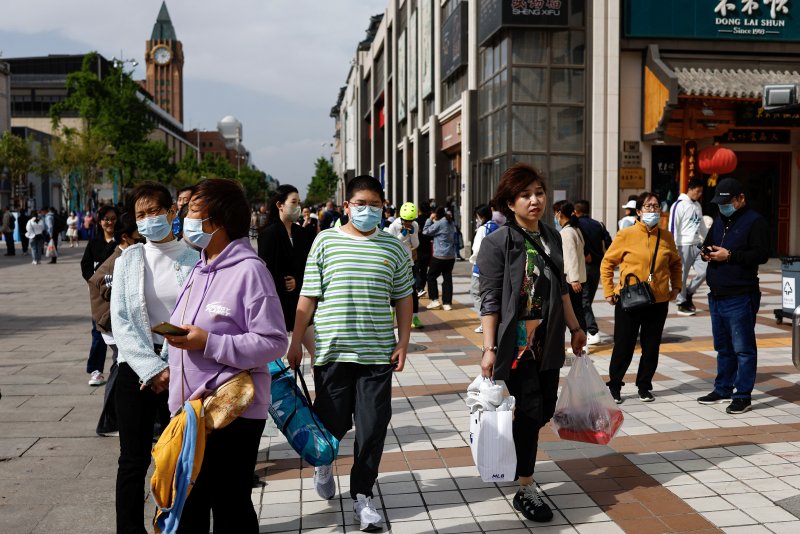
129 320
443 233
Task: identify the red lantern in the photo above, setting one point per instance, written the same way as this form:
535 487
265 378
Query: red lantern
717 160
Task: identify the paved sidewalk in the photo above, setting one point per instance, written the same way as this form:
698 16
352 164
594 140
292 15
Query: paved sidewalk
676 466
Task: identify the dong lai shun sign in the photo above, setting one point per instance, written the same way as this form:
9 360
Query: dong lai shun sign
742 20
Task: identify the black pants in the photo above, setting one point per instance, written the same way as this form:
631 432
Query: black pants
445 269
421 275
108 416
414 296
352 392
576 299
136 412
627 326
225 481
25 241
589 291
97 352
536 393
9 237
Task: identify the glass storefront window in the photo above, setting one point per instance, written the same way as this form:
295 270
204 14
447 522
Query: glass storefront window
567 173
529 128
529 85
529 47
566 129
567 86
569 48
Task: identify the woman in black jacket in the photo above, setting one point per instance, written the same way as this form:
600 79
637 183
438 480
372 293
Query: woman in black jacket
284 245
97 251
525 308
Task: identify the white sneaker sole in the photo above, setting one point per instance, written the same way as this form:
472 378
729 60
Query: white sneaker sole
709 403
369 527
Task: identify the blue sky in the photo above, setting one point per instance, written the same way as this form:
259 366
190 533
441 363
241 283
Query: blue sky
276 65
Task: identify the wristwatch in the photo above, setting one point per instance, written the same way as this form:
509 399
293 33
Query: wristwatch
489 349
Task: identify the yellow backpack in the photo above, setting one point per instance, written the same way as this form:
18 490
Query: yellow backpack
178 456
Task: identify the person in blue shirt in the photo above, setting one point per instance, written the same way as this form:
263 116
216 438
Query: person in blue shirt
441 228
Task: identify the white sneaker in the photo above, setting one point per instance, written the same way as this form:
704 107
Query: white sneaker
479 330
97 379
323 481
366 514
434 305
447 307
422 293
33 262
593 339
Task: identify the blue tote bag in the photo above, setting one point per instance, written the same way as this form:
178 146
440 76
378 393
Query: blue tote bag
293 415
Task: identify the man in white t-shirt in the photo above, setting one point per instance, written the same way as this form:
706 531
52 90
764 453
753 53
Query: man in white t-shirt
689 230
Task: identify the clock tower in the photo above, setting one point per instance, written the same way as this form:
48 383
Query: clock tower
164 59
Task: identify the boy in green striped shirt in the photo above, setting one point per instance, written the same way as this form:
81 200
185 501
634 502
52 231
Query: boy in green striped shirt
351 275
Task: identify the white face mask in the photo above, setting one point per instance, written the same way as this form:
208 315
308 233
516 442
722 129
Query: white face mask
293 213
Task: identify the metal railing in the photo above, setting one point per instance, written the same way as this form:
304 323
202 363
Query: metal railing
796 337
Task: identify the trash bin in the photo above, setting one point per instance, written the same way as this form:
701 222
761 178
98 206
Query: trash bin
790 284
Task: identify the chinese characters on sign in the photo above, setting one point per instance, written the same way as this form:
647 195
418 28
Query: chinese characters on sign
752 24
755 136
535 7
494 15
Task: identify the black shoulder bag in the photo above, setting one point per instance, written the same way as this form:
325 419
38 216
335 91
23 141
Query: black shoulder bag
638 295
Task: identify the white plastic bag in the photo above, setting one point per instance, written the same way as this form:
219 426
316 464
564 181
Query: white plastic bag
490 431
585 410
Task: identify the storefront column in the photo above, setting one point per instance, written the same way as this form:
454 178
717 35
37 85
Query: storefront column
434 141
415 175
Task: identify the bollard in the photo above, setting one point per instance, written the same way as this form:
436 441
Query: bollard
796 337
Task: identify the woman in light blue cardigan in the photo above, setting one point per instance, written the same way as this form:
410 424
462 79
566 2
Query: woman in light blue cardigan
441 228
147 280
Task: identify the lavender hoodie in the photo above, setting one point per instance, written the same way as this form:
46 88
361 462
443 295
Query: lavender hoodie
234 299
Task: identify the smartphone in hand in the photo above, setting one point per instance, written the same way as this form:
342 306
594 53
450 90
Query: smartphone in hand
167 329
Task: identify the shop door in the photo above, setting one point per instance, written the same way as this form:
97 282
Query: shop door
766 178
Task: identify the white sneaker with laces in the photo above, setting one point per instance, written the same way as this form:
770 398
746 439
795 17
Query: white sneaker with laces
447 307
479 330
593 339
434 304
369 518
323 481
97 379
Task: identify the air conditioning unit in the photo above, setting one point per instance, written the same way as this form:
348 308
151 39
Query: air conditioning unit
779 97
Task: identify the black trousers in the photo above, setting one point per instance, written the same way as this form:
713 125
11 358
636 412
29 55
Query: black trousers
576 299
649 321
421 276
225 481
25 241
445 269
536 393
353 392
108 416
9 237
136 412
589 291
414 295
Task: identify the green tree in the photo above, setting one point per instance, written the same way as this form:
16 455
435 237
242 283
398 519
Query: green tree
323 183
81 155
16 159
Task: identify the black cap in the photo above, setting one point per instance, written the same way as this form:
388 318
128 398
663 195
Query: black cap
727 189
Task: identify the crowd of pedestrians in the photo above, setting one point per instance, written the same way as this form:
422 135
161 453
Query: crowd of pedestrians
186 304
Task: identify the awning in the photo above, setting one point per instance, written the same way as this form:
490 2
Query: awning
688 76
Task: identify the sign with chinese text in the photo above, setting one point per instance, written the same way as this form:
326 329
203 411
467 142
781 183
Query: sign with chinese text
740 20
763 137
665 172
412 62
426 46
401 77
496 14
754 115
631 178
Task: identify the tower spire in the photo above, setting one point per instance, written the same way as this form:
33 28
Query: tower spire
163 30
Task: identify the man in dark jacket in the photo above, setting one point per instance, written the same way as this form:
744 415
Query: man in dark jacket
424 250
329 217
734 248
8 231
596 241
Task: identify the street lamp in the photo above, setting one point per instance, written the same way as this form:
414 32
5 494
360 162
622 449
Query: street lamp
119 63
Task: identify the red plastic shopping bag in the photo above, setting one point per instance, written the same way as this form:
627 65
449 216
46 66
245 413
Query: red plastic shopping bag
585 410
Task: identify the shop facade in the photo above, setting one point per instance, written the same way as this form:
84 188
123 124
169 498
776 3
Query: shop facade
692 76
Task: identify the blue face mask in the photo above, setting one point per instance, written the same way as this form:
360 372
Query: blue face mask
556 222
194 235
727 209
365 218
651 219
154 228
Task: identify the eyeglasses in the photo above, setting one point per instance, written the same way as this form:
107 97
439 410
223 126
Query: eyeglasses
651 207
360 204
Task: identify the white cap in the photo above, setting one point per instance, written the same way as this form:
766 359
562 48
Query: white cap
630 205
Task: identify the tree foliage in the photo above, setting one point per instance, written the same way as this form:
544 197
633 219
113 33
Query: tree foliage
16 161
254 181
323 183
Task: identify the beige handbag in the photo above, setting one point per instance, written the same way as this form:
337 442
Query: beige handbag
229 400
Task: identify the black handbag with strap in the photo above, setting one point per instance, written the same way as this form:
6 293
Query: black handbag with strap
638 295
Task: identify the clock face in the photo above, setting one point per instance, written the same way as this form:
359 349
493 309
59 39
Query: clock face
162 55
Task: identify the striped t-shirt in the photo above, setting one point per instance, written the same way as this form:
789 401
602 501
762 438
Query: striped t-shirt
354 279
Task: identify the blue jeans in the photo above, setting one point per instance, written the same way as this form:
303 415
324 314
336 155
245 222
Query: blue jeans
733 321
97 352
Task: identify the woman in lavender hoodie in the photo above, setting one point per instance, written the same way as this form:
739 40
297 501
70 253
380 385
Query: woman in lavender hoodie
233 314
